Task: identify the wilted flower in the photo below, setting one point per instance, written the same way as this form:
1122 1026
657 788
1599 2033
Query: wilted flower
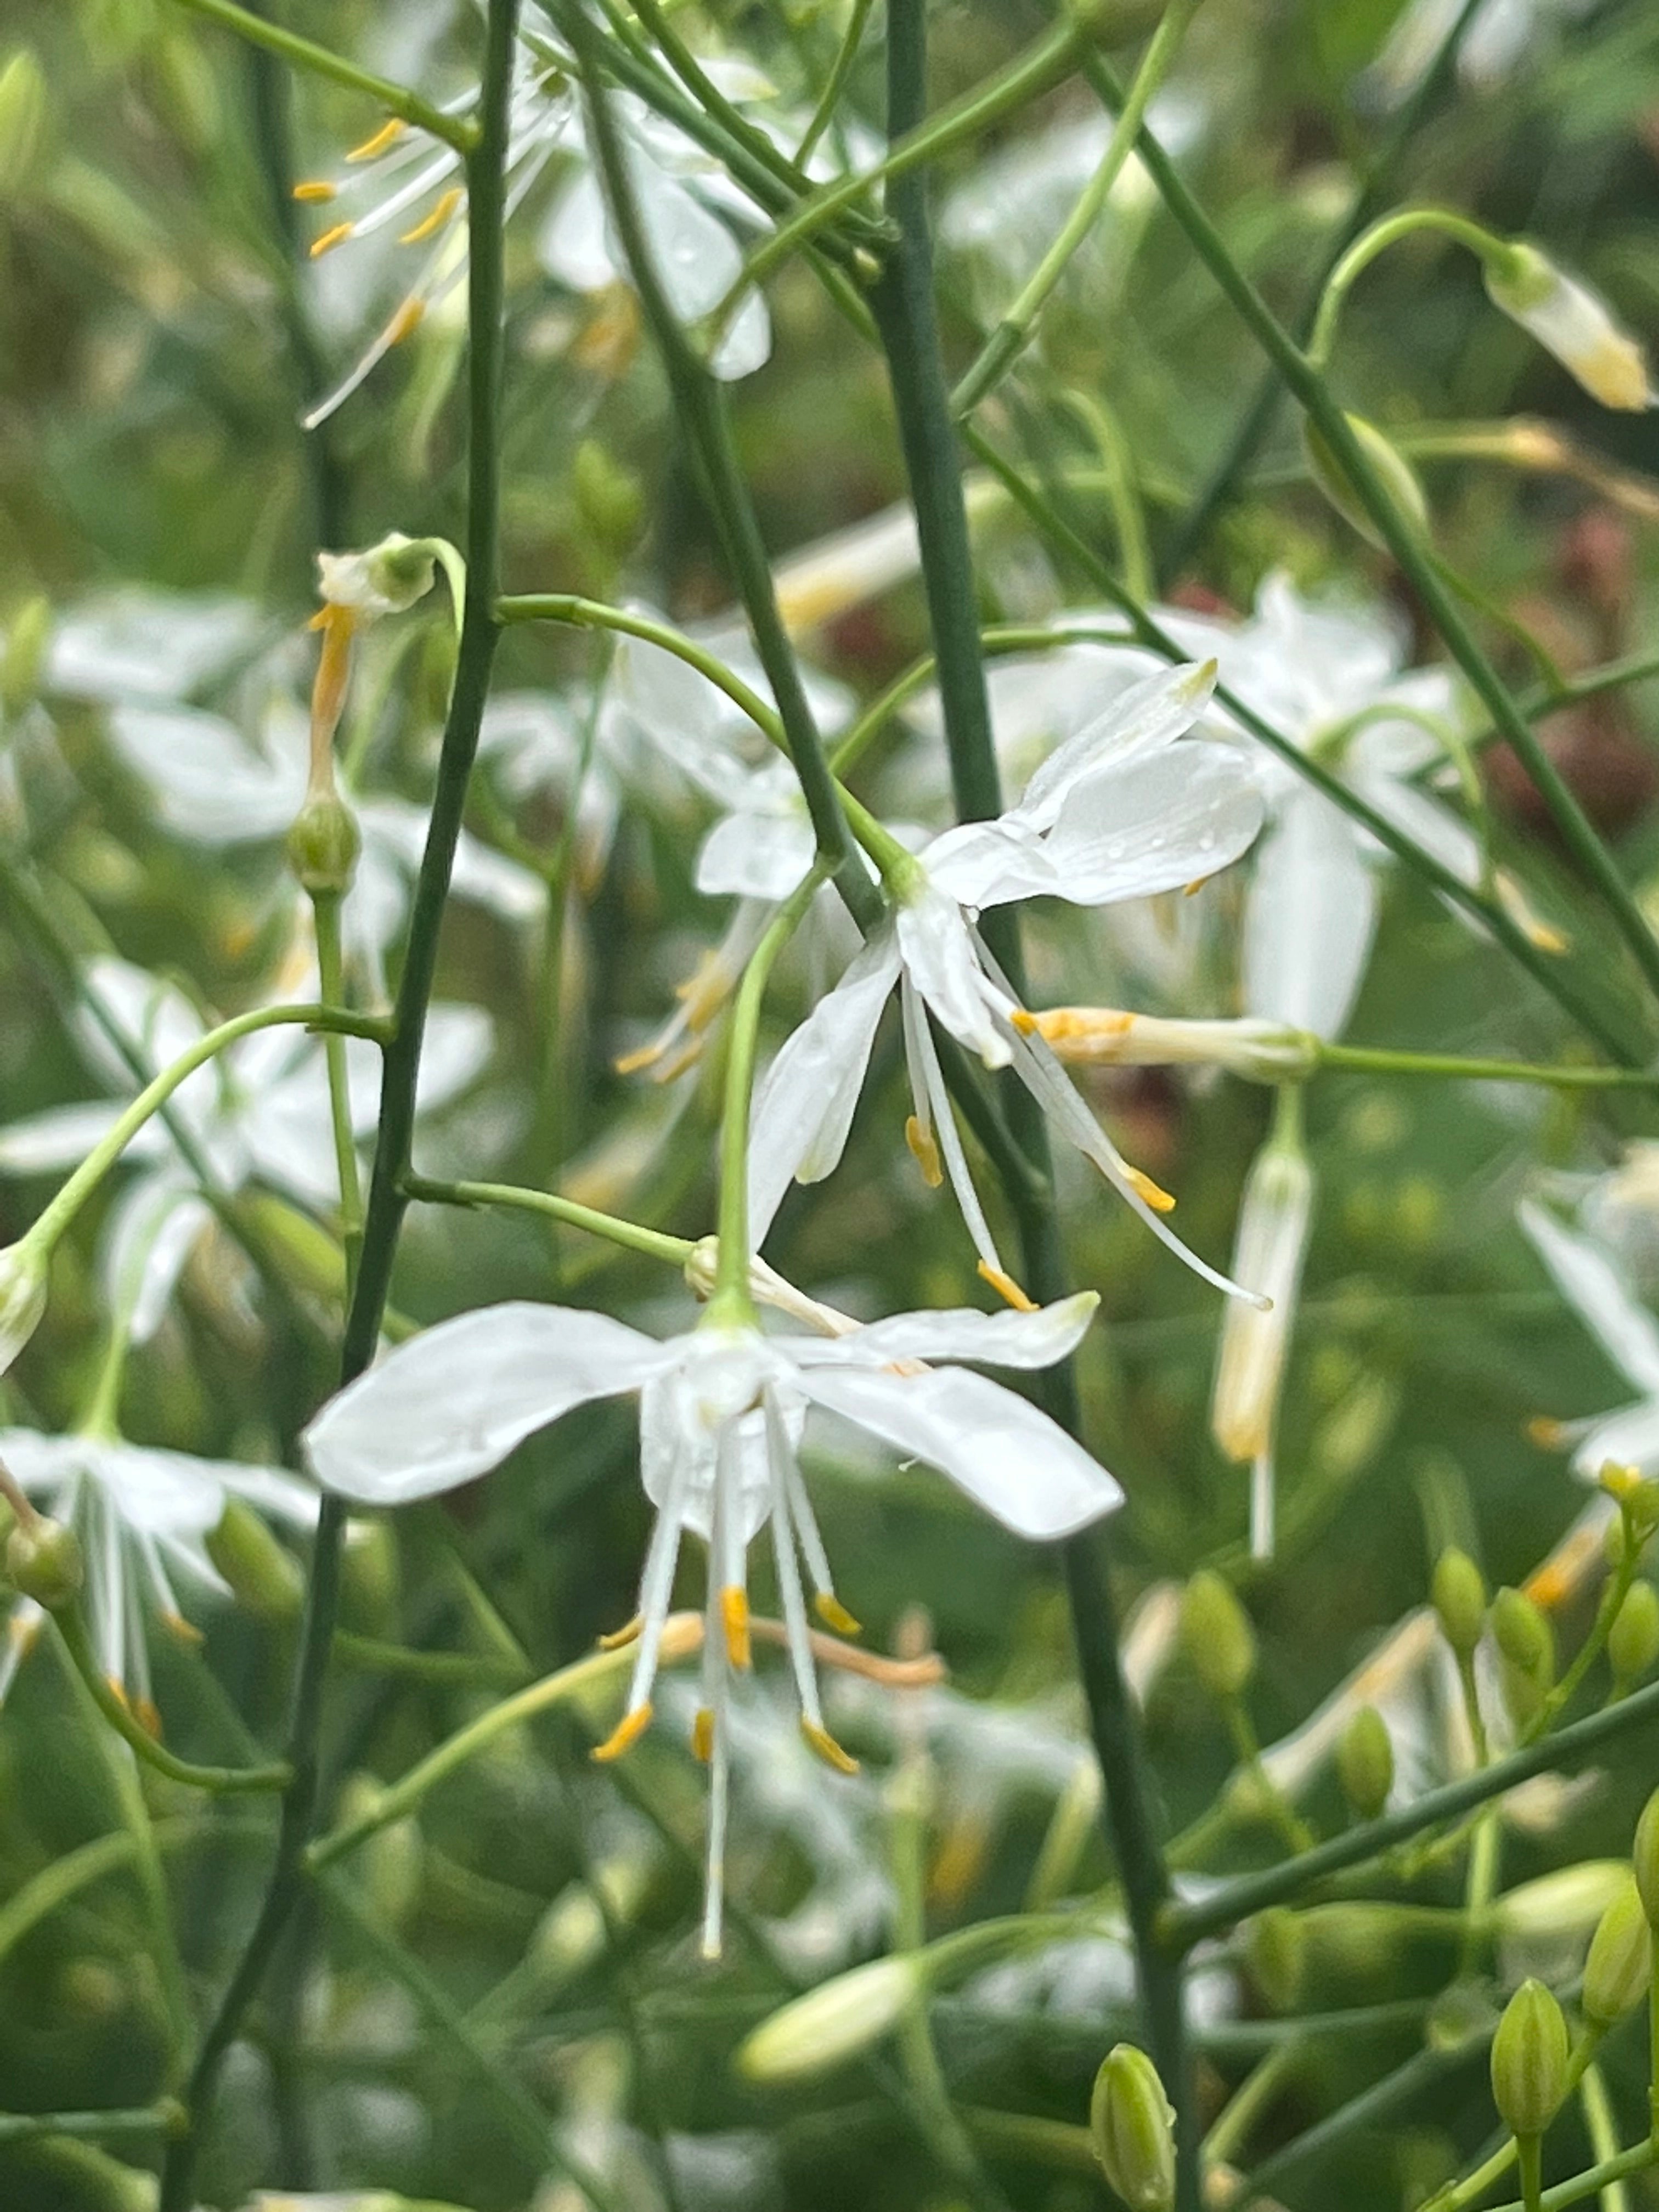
720 1416
1569 320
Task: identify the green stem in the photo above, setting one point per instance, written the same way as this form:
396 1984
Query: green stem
1011 335
1596 2107
325 912
456 131
1377 239
1414 557
1529 2158
161 2119
1377 1059
653 1243
486 157
219 1781
1297 1835
1182 1925
829 98
731 1300
1231 2129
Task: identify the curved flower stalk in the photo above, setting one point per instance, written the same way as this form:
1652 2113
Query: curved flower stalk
259 1114
721 1414
142 1517
402 190
1593 1281
1119 811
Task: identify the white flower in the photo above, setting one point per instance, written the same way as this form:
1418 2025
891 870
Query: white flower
1119 811
721 1412
258 1113
1495 43
1569 320
142 1516
1595 1285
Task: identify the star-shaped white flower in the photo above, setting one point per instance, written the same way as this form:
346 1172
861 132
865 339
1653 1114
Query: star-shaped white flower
1119 810
721 1412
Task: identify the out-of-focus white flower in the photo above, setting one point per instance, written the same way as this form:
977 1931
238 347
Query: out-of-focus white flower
721 1412
1594 1283
1119 811
1570 321
258 1113
1621 1209
136 644
1494 43
142 1516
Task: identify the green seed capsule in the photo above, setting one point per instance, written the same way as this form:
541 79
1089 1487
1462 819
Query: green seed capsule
1134 2129
263 1577
44 1561
1217 1636
1620 1966
1364 1763
1460 1598
1529 2061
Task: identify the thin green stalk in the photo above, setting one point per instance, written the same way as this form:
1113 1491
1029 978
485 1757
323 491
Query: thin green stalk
133 2120
653 1243
829 98
731 1298
1375 2107
326 915
1378 1059
1377 239
1600 2127
375 1657
1541 966
1529 2158
1378 187
1413 556
218 1781
456 130
907 319
701 410
1013 332
486 148
1182 1925
1231 2129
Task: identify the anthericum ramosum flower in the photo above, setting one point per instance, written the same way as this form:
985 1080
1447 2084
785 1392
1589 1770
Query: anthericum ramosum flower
1569 320
1594 1283
142 1516
1119 811
721 1412
1274 1221
1108 1036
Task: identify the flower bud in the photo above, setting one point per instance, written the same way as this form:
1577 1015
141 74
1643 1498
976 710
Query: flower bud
1637 1497
1134 2129
1104 1036
1275 1948
324 843
830 2024
1460 1598
1634 1639
22 1297
1529 2061
1644 1859
43 1561
1620 1966
25 646
1526 1644
369 1576
609 499
1216 1635
385 579
23 122
1569 320
1364 1763
1395 473
262 1575
1273 1220
1566 1904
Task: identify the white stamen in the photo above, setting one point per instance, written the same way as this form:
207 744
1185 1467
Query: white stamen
780 1458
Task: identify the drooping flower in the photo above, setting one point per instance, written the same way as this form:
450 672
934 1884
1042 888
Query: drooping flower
1120 811
1594 1282
721 1414
1569 320
142 1517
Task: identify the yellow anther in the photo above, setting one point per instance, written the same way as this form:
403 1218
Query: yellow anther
834 1615
734 1619
1193 889
184 1631
630 1063
430 225
1007 1287
387 134
330 239
1153 1193
626 1734
1549 1435
149 1717
921 1143
620 1639
1025 1022
1547 939
827 1748
703 1735
316 191
405 321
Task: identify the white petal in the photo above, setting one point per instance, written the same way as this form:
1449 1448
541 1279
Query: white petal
574 243
1309 918
942 961
1008 1457
138 644
998 1340
804 1106
454 1402
61 1137
1629 1438
980 864
1591 1280
1155 823
1152 715
209 783
151 1231
754 856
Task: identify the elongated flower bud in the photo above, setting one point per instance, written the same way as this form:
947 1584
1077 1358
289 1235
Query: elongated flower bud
1104 1036
1634 1639
262 1575
1460 1599
1134 2129
1364 1762
1566 1905
1529 2061
23 116
830 2024
1526 1644
1216 1635
1272 1236
1620 1966
1644 1859
1396 474
1275 1946
1569 320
